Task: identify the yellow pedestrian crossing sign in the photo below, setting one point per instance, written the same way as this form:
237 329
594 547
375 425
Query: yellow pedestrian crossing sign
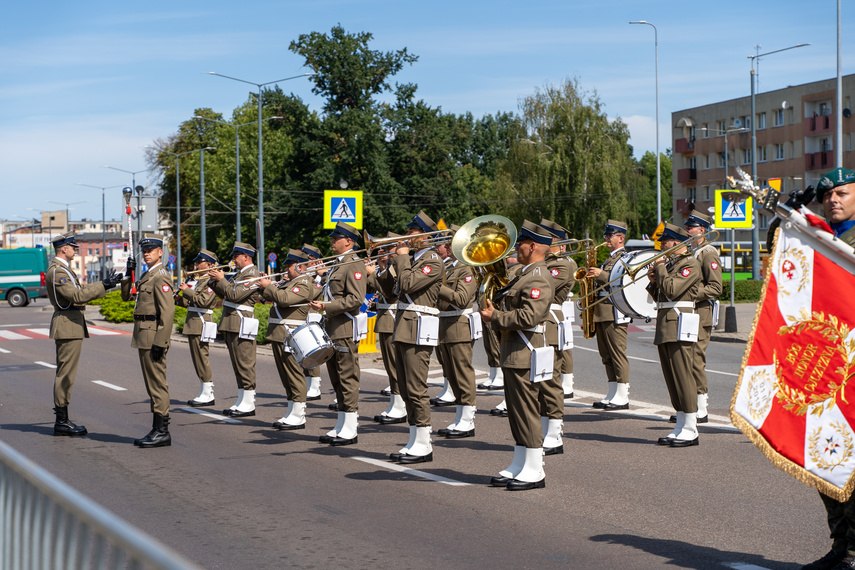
343 206
732 210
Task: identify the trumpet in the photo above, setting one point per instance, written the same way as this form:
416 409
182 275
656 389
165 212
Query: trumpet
372 243
215 268
574 247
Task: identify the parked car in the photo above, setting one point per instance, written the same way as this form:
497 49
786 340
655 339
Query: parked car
22 274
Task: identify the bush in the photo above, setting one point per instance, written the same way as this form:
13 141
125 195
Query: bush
746 291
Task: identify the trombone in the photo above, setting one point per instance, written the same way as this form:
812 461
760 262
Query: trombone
574 247
215 268
372 243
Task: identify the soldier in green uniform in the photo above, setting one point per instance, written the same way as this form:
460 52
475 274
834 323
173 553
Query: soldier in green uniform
512 267
154 313
456 297
611 325
343 295
697 224
313 375
674 285
521 325
381 281
199 300
68 325
836 192
239 301
562 270
290 298
419 280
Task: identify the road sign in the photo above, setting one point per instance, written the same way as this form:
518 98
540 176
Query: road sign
731 213
343 206
272 256
171 259
170 266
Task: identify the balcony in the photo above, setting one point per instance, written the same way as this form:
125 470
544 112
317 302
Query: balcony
818 124
822 160
684 145
687 175
685 206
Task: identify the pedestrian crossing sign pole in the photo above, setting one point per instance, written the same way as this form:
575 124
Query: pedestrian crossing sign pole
343 206
732 211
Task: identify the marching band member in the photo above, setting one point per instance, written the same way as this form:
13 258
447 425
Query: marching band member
419 280
154 313
199 300
456 341
68 325
343 293
562 270
521 322
513 268
238 311
611 325
674 286
290 308
382 282
313 375
711 287
446 395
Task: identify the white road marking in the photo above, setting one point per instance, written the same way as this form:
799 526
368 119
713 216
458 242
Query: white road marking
101 332
44 332
17 325
4 351
9 335
46 364
376 371
108 385
657 362
408 471
435 371
743 566
219 417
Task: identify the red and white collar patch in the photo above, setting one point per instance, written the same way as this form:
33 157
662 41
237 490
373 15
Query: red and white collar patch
210 290
468 279
714 265
686 272
295 289
555 273
426 270
535 293
165 288
358 275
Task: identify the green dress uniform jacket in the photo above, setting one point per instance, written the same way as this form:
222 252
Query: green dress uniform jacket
299 291
345 290
244 294
604 312
458 295
562 271
201 296
382 283
711 286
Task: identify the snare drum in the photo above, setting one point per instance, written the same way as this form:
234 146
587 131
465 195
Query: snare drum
631 298
310 345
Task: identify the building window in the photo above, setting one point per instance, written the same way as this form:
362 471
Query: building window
90 251
761 154
824 109
706 130
746 156
778 118
721 160
779 152
707 194
693 163
764 222
691 194
722 127
761 121
706 162
746 121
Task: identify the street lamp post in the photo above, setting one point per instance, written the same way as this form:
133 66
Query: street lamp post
658 171
260 237
755 231
66 204
237 161
138 193
103 226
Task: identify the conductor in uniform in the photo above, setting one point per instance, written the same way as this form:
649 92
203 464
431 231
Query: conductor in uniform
199 300
68 325
521 325
154 312
611 325
238 304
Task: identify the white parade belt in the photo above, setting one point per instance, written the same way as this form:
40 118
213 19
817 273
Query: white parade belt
200 311
289 322
676 305
418 308
456 313
554 307
235 306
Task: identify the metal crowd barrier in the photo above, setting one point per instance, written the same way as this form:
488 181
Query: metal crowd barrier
45 524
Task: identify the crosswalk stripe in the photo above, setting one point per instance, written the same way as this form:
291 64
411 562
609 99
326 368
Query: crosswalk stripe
43 332
102 332
10 335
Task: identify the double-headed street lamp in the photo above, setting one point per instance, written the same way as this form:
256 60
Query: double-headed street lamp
755 231
237 159
658 173
103 225
260 238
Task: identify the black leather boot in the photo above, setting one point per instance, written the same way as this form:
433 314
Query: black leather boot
149 435
65 426
160 436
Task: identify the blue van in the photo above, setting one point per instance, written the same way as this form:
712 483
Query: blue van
22 274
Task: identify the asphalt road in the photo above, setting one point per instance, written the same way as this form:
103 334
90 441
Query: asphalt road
238 494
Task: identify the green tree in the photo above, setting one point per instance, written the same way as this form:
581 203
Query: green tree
647 194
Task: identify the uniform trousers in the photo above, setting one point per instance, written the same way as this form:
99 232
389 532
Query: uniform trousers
242 355
491 346
550 395
457 365
676 360
841 522
387 351
567 361
523 412
67 359
700 359
413 361
312 372
611 343
343 369
154 374
199 355
290 373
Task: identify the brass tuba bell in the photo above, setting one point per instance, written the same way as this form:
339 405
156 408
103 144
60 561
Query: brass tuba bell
485 242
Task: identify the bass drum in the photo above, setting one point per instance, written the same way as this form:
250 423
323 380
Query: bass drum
310 344
631 298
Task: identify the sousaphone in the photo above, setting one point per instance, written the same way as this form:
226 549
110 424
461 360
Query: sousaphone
484 243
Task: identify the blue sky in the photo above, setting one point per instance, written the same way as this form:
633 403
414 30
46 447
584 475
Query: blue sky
88 83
